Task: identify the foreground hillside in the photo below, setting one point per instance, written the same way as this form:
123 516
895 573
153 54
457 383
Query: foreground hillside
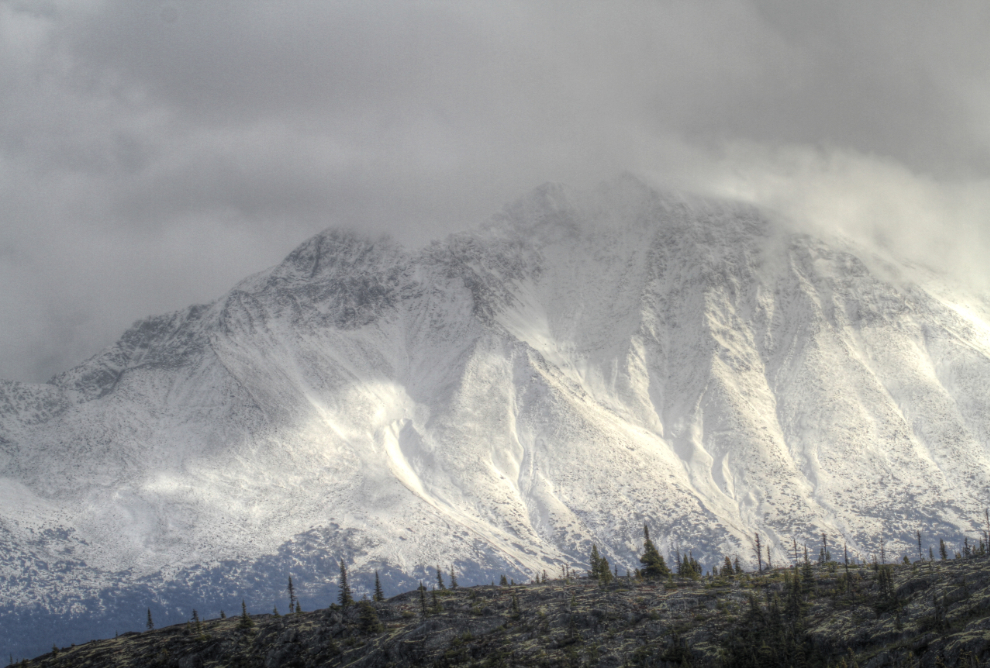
923 614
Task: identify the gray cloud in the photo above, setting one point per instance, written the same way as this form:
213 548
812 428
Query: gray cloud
153 153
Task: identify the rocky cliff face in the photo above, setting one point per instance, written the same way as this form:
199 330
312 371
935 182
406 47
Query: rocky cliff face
581 365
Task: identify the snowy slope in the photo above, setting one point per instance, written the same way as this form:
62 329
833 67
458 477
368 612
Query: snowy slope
580 365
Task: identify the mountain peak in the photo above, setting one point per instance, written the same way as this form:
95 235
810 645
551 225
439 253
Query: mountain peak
501 400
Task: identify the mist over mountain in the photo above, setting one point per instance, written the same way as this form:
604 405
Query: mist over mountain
582 364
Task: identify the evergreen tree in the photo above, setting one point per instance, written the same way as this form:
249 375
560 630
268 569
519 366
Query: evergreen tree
440 584
437 608
150 624
941 549
727 568
515 610
759 553
197 625
345 597
886 598
807 574
379 594
246 622
920 557
738 566
298 607
653 562
596 563
292 596
692 567
275 612
604 572
422 600
502 582
223 615
368 619
453 578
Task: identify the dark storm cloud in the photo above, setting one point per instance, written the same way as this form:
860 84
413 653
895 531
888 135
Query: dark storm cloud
152 153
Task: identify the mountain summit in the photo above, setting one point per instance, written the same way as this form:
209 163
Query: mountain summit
582 364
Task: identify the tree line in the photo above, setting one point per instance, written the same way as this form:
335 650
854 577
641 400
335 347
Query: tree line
653 566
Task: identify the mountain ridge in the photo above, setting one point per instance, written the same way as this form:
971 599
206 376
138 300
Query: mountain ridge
584 363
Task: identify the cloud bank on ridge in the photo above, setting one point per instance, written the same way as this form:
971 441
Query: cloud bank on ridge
153 153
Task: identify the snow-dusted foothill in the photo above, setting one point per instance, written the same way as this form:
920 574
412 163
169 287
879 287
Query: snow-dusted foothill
582 364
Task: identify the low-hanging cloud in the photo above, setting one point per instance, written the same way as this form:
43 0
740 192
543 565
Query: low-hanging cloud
153 153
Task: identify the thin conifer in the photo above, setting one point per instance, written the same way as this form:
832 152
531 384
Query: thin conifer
453 578
246 622
292 595
653 562
437 608
759 553
422 600
379 594
197 624
345 597
440 584
150 625
596 563
807 574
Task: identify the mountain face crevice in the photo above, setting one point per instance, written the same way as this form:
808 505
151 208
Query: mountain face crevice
582 364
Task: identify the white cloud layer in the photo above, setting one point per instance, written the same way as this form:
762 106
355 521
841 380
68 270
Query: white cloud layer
153 153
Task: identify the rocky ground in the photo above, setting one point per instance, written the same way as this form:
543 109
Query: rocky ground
924 614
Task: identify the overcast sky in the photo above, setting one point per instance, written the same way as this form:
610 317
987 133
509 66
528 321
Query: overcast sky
153 153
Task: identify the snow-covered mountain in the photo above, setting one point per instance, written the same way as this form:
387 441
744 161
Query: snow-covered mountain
582 364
